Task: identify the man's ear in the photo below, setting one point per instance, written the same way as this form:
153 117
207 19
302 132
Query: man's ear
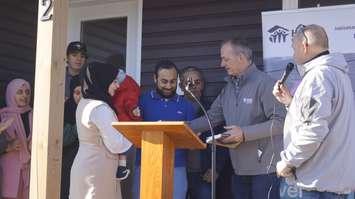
242 57
155 79
305 47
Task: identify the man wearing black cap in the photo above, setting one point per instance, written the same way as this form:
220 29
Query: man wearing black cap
76 57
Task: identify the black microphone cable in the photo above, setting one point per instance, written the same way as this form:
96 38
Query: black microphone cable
213 148
289 68
273 151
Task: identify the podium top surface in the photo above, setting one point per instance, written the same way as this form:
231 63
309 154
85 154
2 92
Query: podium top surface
181 134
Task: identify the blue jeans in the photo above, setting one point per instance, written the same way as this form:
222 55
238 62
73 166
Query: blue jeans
256 186
289 191
197 187
180 183
321 195
294 192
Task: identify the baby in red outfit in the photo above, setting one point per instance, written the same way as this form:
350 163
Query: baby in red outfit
125 102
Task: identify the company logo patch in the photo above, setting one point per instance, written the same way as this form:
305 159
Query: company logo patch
247 100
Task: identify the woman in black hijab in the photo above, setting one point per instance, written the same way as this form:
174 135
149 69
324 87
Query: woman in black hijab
94 168
70 135
98 81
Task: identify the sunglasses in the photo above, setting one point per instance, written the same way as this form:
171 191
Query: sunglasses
301 29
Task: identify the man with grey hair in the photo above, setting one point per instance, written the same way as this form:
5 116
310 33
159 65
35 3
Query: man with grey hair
319 127
199 161
253 117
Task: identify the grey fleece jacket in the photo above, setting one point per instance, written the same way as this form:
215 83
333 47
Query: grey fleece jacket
319 131
247 101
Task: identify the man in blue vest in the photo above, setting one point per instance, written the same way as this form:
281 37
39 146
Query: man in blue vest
162 103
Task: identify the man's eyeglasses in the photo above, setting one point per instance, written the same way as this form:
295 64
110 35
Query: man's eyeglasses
300 29
194 83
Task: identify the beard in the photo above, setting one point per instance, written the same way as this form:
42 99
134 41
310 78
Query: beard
164 94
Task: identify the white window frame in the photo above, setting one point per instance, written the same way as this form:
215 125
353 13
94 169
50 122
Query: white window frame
80 11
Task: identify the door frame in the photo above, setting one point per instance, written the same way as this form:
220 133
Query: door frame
132 9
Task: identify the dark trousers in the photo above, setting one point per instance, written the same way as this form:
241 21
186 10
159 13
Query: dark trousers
197 187
68 157
256 187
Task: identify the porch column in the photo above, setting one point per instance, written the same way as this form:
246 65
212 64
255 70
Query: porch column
289 4
48 99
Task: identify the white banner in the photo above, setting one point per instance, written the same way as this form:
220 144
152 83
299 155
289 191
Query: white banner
279 26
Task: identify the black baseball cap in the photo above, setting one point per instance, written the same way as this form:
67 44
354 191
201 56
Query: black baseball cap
77 46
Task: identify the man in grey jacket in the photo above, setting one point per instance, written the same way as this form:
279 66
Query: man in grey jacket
319 138
253 117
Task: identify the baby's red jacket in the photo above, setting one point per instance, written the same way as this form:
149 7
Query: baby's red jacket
126 100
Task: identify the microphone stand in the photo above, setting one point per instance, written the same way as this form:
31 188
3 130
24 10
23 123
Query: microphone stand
213 150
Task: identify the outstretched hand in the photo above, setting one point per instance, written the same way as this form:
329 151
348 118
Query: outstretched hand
235 135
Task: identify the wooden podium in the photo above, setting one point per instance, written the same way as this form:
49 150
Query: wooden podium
158 141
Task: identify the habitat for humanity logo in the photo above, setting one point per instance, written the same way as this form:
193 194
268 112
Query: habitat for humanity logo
278 34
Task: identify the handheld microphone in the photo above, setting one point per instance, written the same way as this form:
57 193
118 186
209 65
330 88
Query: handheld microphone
191 84
287 72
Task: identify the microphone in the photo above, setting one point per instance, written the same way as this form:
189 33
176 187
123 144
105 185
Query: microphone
287 72
191 84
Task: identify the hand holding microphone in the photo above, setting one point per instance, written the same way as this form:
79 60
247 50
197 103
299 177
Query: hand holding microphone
282 94
280 91
287 72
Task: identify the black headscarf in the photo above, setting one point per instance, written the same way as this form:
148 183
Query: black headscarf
70 105
96 79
